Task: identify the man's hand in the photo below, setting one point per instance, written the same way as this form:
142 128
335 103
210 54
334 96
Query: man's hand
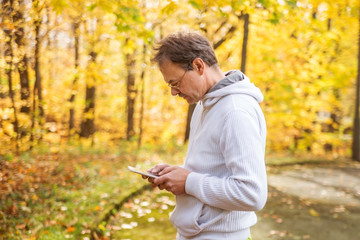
158 168
155 171
172 178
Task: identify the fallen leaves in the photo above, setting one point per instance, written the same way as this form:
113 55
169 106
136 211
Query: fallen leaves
21 226
277 218
150 208
313 212
97 208
70 229
24 178
338 209
278 233
286 235
26 185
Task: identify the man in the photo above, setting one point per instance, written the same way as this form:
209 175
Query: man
223 180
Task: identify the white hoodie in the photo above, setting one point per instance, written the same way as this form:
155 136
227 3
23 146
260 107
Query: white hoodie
226 155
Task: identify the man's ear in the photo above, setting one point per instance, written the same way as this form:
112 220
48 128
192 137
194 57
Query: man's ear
199 65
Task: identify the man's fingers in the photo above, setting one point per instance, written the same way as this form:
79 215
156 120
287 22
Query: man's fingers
158 168
166 170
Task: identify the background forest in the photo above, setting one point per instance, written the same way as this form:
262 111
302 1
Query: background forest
73 69
80 100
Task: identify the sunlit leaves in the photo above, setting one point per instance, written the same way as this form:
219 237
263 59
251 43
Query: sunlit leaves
127 17
305 65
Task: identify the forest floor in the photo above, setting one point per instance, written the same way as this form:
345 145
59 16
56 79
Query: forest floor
58 196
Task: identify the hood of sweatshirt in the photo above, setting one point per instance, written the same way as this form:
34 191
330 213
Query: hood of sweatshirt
235 83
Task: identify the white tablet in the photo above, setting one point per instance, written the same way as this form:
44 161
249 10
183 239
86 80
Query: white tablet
135 170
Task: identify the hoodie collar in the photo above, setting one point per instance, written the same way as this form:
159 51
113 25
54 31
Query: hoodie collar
235 82
232 76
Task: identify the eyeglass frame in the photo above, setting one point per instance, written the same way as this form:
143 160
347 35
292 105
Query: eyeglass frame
177 84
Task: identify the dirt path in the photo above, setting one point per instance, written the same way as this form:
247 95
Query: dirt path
320 202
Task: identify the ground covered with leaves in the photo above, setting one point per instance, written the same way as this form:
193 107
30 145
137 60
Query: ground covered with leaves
65 196
94 196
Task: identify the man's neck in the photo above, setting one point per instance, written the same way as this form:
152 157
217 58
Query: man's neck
214 75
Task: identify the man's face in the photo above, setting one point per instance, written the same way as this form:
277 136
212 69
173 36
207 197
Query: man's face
188 84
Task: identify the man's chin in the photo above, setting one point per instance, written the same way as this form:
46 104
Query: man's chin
190 101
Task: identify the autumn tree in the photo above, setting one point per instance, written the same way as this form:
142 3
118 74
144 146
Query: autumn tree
87 127
228 16
301 54
9 55
131 90
76 33
38 114
22 65
356 131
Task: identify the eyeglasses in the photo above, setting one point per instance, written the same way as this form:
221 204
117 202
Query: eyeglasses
176 85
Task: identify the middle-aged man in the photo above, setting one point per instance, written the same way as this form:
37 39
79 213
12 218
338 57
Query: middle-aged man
223 180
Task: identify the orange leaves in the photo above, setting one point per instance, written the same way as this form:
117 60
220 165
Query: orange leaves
21 226
97 208
26 184
70 229
35 197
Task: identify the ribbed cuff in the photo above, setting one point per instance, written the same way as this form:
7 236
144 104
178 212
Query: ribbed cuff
192 181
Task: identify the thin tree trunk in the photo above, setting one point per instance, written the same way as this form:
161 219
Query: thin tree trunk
24 85
356 132
38 80
76 25
142 98
131 94
190 112
88 123
245 42
33 118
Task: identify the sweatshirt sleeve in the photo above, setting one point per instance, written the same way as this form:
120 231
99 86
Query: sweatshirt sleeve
242 142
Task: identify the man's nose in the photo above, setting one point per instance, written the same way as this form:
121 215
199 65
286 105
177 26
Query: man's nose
174 91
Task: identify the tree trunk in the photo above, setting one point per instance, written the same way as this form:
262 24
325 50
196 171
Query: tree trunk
142 98
38 111
131 94
38 80
9 53
9 66
76 25
245 42
22 65
88 124
190 112
37 87
356 132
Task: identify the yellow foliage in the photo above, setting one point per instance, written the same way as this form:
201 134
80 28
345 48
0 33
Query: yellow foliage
302 55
